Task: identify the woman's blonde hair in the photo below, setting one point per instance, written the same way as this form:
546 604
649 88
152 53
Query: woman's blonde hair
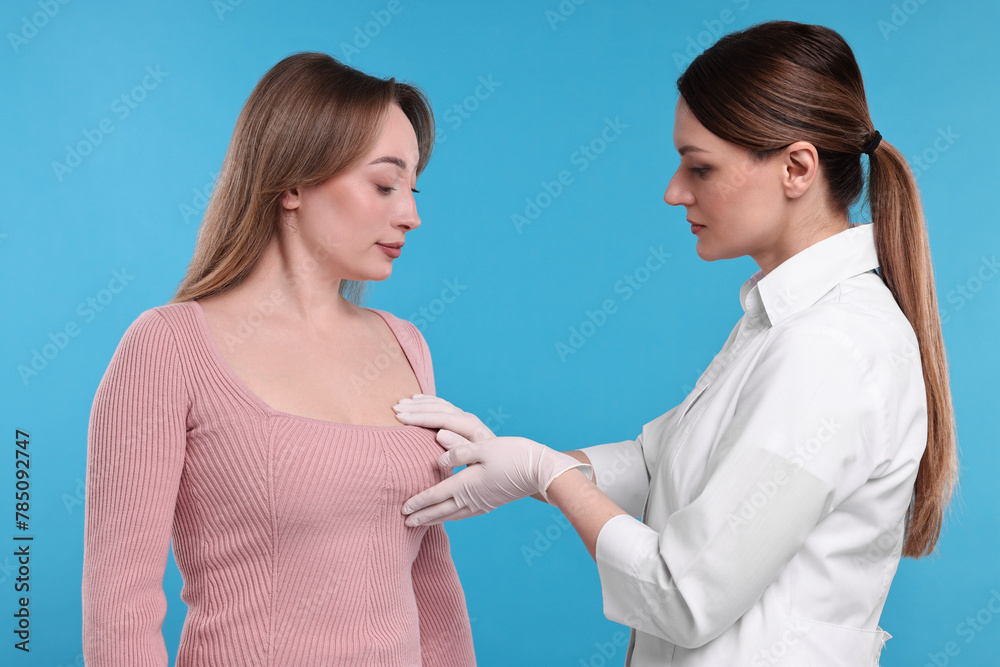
309 118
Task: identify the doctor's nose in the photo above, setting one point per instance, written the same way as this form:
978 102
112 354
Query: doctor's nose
676 194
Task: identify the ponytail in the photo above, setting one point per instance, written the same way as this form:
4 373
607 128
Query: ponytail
905 267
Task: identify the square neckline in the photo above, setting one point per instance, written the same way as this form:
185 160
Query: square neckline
221 362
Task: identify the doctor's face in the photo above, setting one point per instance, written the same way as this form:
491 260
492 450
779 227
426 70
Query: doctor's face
734 203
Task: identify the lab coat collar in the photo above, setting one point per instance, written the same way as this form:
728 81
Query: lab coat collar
800 281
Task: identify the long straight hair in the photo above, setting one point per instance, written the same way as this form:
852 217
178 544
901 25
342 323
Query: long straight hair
779 82
308 118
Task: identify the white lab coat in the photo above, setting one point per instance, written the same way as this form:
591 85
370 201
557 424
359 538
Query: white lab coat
773 498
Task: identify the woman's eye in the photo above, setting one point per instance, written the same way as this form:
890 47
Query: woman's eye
383 189
699 171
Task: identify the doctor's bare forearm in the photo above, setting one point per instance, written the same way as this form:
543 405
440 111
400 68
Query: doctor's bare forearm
586 506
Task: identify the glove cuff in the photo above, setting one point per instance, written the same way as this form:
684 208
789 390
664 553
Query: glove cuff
557 464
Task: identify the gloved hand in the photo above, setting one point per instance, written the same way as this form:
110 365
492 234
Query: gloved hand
499 469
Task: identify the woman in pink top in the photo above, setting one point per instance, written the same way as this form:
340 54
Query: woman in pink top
249 419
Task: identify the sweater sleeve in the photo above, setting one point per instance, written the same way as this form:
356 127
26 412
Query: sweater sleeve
135 454
445 631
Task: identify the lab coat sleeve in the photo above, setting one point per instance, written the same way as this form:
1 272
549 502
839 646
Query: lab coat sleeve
805 429
620 472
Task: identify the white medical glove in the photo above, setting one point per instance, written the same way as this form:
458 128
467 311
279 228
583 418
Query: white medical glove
434 412
499 469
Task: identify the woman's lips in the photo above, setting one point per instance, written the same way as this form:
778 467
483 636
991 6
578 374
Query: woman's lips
391 249
695 227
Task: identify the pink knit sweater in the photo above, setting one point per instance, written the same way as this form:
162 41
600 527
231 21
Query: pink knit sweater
287 530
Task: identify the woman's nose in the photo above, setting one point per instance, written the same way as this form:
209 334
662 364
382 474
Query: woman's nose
408 217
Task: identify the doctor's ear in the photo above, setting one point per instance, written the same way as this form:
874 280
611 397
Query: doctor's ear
800 167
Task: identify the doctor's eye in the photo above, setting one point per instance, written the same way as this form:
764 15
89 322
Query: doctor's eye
384 189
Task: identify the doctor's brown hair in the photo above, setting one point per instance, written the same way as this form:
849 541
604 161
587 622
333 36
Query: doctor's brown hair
780 82
309 117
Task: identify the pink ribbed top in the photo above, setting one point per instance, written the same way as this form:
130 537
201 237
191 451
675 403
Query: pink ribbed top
286 529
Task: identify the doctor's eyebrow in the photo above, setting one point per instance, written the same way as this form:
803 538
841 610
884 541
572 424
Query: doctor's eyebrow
691 149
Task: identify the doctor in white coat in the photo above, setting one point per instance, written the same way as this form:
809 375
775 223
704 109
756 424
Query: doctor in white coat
818 447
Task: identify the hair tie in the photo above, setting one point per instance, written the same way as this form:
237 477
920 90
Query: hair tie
872 143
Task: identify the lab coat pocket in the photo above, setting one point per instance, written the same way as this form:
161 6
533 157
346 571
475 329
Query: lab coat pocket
819 644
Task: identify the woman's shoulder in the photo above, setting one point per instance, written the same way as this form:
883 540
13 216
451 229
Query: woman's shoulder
403 328
159 326
413 344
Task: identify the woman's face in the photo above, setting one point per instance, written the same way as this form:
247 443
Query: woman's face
357 220
735 204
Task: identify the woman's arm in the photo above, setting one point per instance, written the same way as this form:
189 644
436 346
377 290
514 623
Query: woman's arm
135 454
445 632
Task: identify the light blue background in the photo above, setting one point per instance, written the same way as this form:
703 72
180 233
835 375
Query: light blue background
494 346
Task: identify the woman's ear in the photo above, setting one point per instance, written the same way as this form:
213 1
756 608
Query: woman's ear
801 167
290 199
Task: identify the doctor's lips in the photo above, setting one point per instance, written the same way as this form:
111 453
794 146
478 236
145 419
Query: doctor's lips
391 249
695 227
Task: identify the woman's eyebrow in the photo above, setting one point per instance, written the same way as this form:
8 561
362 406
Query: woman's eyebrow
392 159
